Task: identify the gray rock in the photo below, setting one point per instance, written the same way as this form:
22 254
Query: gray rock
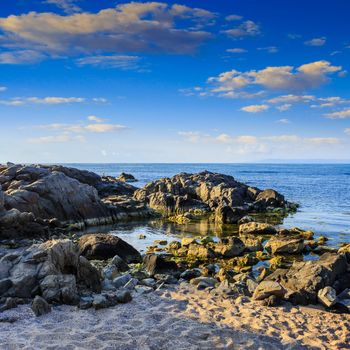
149 282
209 281
119 263
122 280
40 306
190 274
327 296
268 288
156 264
124 296
100 302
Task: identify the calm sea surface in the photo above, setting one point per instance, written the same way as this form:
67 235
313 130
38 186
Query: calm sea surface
322 190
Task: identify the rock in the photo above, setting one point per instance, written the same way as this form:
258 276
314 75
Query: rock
257 228
267 288
124 296
167 279
208 281
229 247
190 274
200 252
40 306
270 301
327 296
54 267
143 289
131 284
119 263
245 220
175 245
186 241
284 245
100 302
252 243
105 246
149 282
251 285
60 289
5 285
305 279
122 280
155 264
124 177
85 303
10 303
206 191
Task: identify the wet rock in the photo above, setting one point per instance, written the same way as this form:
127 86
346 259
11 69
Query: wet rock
269 198
257 228
252 243
190 274
327 296
106 246
155 264
124 177
187 241
245 220
200 252
284 245
40 306
229 247
268 288
228 215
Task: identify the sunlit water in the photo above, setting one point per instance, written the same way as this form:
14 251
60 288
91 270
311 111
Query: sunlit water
322 190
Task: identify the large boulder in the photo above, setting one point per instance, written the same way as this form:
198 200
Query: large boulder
269 198
285 245
53 268
102 246
305 279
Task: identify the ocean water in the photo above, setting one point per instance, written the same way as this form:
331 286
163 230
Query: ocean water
322 190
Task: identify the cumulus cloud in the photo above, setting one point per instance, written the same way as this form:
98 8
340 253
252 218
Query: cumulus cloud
245 29
3 88
284 107
345 113
130 27
316 42
286 78
123 62
347 131
255 108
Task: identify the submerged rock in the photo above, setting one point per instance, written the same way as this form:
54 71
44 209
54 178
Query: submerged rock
124 177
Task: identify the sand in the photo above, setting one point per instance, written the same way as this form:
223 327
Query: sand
178 318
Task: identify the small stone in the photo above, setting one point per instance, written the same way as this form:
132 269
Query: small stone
209 281
122 280
149 282
124 296
190 273
142 236
10 303
327 296
119 263
100 302
272 300
40 306
267 288
161 242
143 289
187 241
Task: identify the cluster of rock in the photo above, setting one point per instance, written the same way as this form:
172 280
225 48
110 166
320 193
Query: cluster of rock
208 192
37 199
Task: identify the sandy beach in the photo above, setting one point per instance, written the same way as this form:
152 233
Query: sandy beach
179 318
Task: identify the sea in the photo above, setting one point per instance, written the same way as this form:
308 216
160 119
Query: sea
321 190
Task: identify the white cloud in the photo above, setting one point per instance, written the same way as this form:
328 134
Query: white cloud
316 42
21 57
291 99
93 118
287 78
52 100
123 62
283 121
62 138
269 49
130 27
345 113
245 29
255 108
233 18
347 131
236 50
67 6
3 88
284 107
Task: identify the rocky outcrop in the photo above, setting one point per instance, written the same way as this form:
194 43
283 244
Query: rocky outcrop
285 245
229 199
53 269
105 246
257 228
124 177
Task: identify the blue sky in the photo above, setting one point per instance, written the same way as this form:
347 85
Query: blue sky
189 81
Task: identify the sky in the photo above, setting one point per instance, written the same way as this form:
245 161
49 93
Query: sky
177 81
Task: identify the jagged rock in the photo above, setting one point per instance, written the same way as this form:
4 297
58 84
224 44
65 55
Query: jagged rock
124 177
257 228
122 280
252 242
219 193
155 264
304 279
119 263
200 252
284 245
267 288
327 296
207 281
47 266
229 247
105 246
40 306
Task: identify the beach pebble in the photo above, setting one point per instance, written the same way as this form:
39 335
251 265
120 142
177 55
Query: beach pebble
124 296
122 280
40 306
